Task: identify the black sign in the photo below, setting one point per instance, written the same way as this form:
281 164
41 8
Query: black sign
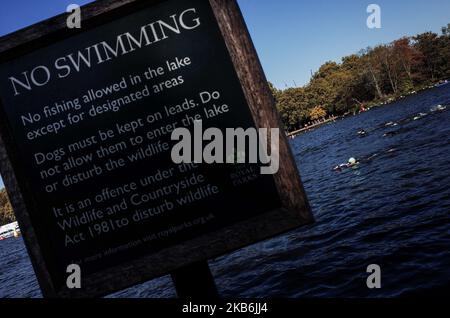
89 119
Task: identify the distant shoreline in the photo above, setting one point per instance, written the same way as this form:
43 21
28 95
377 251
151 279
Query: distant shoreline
375 104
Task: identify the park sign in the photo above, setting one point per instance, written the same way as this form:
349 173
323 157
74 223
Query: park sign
86 122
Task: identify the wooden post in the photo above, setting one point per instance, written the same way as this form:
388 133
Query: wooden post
195 281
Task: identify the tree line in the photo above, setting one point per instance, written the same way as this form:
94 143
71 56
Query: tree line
6 211
372 76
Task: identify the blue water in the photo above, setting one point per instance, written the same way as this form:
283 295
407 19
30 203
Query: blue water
391 210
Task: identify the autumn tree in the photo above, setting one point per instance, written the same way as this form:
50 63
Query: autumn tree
317 113
369 77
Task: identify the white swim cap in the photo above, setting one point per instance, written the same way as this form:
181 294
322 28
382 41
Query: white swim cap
352 161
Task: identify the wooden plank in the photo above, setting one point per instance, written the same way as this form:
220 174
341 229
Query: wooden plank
260 100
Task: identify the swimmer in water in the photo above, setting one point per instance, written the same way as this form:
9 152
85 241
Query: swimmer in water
362 133
438 108
352 162
390 124
420 116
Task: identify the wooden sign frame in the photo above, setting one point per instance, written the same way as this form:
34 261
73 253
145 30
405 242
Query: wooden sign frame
294 212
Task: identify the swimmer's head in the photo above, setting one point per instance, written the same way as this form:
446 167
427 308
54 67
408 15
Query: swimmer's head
352 161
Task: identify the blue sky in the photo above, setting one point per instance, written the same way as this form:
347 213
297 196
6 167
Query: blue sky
292 37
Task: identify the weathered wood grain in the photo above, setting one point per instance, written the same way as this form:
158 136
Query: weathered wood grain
260 100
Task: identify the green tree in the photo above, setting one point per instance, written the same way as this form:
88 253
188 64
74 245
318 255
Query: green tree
6 211
428 45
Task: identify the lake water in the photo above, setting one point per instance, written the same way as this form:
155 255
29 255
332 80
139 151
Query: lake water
391 210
